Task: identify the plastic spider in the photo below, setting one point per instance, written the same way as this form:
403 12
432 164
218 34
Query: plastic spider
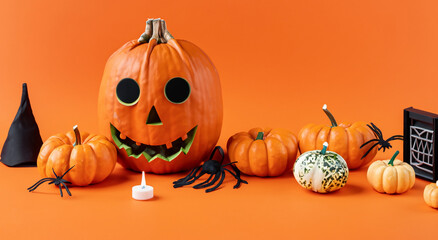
58 181
215 169
379 140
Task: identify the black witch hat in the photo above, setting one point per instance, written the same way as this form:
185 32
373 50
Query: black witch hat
24 141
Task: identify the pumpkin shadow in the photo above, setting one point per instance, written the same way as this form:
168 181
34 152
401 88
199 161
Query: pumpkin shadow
286 175
118 176
350 189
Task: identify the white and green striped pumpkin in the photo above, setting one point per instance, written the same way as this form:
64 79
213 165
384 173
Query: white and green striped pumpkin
321 171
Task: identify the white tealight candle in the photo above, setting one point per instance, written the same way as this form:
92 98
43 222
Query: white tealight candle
143 191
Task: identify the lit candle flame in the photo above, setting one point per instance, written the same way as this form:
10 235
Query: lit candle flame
143 180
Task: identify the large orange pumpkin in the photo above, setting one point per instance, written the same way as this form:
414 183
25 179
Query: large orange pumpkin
263 152
93 157
344 139
160 101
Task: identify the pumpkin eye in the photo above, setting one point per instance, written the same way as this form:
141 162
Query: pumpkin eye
177 90
128 92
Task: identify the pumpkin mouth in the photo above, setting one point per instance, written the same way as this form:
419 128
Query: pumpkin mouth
151 152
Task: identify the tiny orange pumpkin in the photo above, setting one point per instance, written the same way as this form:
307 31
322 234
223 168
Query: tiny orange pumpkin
263 153
430 194
391 176
93 156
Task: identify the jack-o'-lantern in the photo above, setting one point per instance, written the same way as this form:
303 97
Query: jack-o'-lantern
160 101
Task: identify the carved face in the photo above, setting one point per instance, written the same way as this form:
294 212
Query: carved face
161 104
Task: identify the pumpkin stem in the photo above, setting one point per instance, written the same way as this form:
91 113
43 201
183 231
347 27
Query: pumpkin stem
324 149
391 162
329 115
259 136
77 135
155 29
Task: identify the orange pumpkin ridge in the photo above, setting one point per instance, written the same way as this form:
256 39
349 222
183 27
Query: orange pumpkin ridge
430 194
391 176
93 157
344 139
263 152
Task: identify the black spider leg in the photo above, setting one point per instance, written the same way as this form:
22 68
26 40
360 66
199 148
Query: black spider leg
59 182
378 131
221 152
60 189
369 150
375 132
372 140
385 147
55 181
238 172
201 173
231 163
379 138
204 182
396 137
53 170
236 176
216 177
65 172
380 141
188 182
37 184
66 188
219 183
191 174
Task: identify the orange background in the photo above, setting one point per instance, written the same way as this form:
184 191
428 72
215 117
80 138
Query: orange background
279 62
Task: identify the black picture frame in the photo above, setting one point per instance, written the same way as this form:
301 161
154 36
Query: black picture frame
420 146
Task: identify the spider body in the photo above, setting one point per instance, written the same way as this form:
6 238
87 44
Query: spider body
211 166
216 171
58 181
379 140
384 145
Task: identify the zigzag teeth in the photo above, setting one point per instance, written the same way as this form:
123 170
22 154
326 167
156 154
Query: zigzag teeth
184 137
167 153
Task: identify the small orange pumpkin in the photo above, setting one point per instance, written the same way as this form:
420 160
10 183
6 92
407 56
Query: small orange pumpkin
430 194
263 153
93 157
344 139
391 176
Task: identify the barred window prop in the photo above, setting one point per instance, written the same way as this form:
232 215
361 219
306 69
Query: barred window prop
420 146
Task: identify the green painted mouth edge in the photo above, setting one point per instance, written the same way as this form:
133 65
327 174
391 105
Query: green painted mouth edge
128 149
